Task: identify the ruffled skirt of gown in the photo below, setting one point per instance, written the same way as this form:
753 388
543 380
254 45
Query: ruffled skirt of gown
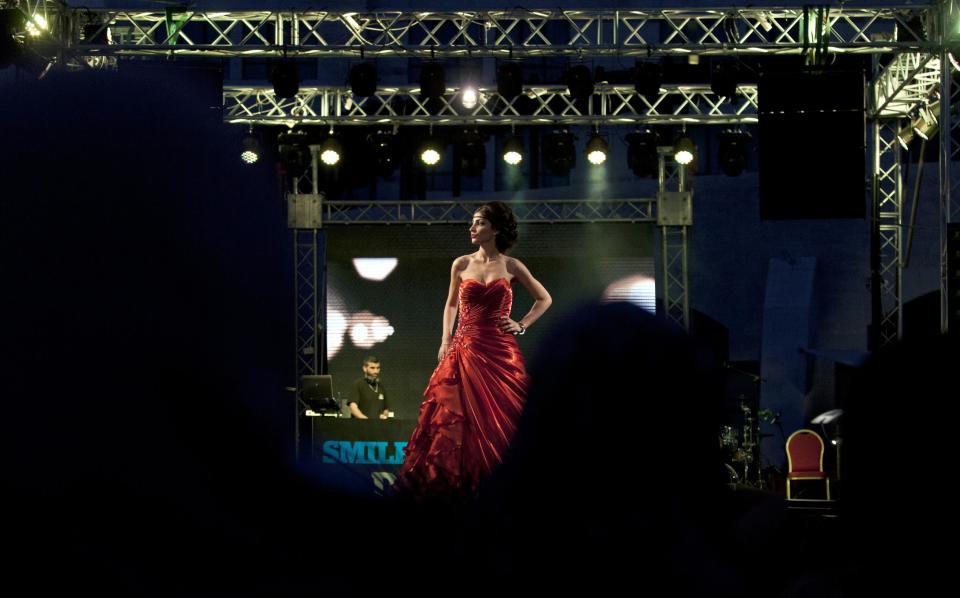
473 402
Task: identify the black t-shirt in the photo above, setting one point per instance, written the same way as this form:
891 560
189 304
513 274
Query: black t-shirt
371 399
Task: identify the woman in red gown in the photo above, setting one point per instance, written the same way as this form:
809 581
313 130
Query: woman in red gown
475 396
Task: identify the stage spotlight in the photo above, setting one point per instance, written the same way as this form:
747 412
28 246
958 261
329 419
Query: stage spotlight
431 151
724 77
642 155
684 150
331 151
433 80
363 79
473 152
559 153
469 97
733 152
509 79
384 146
905 136
251 150
596 149
285 77
293 148
926 125
513 151
36 25
646 79
580 82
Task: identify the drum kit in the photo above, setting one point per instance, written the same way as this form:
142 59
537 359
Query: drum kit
740 451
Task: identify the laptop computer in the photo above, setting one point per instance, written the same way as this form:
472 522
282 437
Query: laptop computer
316 392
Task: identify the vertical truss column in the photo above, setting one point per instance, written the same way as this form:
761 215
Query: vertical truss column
308 297
305 219
674 216
886 243
949 181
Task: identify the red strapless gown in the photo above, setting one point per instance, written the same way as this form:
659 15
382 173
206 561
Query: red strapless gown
473 400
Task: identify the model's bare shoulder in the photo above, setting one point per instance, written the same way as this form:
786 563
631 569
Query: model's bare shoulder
459 265
514 265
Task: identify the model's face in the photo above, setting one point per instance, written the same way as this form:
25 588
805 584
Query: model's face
480 230
371 370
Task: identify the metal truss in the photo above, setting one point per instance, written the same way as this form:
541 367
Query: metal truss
906 82
518 32
609 104
887 229
674 271
310 299
458 212
673 253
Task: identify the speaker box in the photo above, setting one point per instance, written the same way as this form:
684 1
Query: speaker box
812 144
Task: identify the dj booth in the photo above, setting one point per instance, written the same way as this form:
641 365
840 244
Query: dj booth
359 456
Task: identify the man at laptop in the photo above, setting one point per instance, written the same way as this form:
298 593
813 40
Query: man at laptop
367 396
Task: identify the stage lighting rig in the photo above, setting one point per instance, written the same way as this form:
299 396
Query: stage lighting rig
431 150
384 147
509 79
559 154
331 151
733 151
251 149
597 149
433 80
363 79
684 150
293 148
724 77
642 156
580 82
473 152
513 151
285 78
647 77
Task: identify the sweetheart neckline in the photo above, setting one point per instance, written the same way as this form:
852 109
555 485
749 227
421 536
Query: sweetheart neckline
477 280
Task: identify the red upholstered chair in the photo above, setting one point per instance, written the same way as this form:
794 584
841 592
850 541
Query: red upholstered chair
805 459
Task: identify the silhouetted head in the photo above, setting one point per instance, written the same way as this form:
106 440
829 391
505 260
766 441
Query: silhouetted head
616 448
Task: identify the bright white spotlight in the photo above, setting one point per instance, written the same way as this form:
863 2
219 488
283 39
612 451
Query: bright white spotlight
513 151
684 150
330 151
469 98
597 157
36 25
430 156
374 268
250 151
596 150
